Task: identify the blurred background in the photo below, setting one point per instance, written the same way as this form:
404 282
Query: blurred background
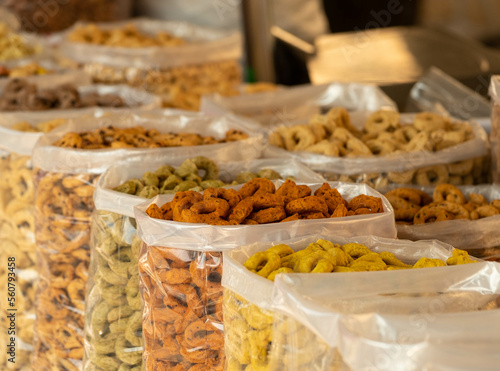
387 42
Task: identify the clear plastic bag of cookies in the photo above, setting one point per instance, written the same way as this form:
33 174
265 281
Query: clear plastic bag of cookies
297 307
386 147
113 320
471 215
18 135
176 255
467 172
178 61
68 162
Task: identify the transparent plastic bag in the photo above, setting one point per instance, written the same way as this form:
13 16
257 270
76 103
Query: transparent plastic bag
472 171
308 309
207 63
299 102
170 244
113 310
395 163
438 92
115 251
65 180
480 237
429 341
17 230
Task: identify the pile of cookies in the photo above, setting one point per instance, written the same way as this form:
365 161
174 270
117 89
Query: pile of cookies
127 36
259 202
383 134
20 95
194 174
412 206
140 137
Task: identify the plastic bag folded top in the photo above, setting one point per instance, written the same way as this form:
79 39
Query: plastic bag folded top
299 102
203 237
204 45
320 301
430 341
105 198
68 160
399 162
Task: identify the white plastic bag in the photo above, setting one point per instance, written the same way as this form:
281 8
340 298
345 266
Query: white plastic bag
65 180
317 300
428 341
194 251
17 227
299 102
349 311
399 162
114 235
480 237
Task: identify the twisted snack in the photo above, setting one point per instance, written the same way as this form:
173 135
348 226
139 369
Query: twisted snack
248 328
17 227
194 174
412 206
333 134
113 323
19 95
259 202
183 309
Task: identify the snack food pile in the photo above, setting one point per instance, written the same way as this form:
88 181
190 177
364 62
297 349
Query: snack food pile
259 202
20 95
12 45
194 174
249 330
139 137
383 134
128 36
412 206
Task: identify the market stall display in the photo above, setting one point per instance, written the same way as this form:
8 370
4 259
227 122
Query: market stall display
259 332
112 295
289 104
386 147
180 262
178 61
65 177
